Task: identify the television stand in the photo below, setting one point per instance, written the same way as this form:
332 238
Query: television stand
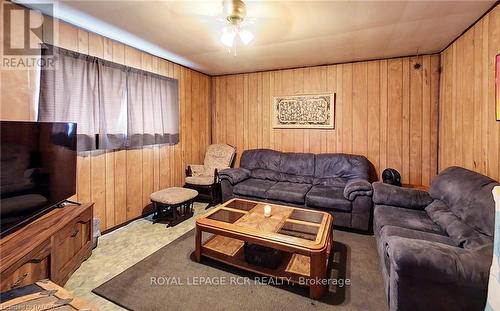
68 202
50 247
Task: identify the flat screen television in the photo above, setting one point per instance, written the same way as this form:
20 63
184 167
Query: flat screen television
38 170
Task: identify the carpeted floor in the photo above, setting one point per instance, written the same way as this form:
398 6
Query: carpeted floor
169 279
121 249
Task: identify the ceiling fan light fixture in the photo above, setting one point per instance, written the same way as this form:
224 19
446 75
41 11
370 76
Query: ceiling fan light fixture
246 36
235 11
228 35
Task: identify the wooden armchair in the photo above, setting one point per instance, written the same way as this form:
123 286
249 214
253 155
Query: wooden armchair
205 178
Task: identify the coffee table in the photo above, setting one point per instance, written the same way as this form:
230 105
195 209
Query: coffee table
304 236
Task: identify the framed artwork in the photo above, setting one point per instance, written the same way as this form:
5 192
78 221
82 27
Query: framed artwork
497 87
304 111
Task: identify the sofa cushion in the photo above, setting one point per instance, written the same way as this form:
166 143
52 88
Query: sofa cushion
392 231
253 187
297 167
462 234
297 179
326 197
262 173
288 192
297 164
333 181
385 215
468 195
389 231
261 158
348 166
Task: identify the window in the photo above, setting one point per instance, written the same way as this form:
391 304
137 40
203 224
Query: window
114 106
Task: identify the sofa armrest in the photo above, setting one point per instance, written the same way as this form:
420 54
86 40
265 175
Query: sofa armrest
438 262
357 187
385 194
234 175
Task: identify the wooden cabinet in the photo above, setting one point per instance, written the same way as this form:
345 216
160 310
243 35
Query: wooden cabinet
52 246
33 267
71 246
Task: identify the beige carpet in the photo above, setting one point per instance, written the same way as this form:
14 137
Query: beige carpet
120 250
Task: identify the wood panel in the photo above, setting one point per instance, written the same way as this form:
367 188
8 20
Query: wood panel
385 110
469 133
120 182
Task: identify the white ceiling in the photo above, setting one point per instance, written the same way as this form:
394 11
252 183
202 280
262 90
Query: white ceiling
288 33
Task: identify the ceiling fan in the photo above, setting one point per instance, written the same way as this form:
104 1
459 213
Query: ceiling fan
235 13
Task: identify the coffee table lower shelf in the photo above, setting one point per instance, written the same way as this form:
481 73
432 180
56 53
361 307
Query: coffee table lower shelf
294 268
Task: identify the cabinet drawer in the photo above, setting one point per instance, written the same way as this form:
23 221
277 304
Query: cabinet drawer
34 267
70 246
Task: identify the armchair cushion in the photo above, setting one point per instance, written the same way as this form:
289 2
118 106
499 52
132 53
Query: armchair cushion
200 180
234 175
200 170
436 261
218 156
386 194
357 187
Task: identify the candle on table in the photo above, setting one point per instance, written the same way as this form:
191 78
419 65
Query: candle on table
267 210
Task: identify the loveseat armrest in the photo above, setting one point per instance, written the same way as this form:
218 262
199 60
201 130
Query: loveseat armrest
385 194
357 187
421 259
234 175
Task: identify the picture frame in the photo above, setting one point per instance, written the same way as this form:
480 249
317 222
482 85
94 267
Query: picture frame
304 111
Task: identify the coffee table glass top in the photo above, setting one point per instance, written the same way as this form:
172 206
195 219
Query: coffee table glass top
225 215
284 220
241 205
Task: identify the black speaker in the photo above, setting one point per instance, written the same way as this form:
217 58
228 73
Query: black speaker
392 177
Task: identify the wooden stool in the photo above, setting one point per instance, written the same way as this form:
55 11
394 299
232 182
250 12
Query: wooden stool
174 204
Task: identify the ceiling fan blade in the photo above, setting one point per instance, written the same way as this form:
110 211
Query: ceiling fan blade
249 21
211 8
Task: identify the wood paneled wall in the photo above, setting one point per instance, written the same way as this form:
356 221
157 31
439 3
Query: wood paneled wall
469 133
119 183
385 110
